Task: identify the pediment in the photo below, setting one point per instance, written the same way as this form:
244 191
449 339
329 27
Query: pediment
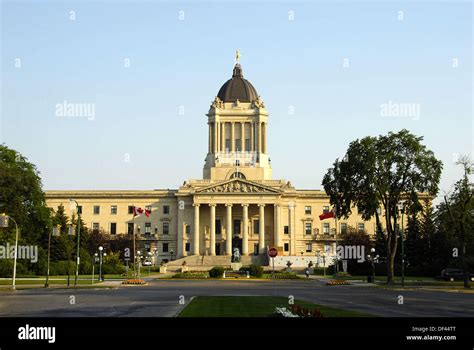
238 186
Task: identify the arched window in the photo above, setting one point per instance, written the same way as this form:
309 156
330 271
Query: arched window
237 175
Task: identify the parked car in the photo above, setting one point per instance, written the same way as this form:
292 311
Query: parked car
147 263
455 275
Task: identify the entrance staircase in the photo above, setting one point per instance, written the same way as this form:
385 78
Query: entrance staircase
207 262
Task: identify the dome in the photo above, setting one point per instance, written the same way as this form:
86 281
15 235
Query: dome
237 88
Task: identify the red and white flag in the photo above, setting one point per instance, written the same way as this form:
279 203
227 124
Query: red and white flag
328 215
139 211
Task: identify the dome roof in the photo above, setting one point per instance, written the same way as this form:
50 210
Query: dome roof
237 88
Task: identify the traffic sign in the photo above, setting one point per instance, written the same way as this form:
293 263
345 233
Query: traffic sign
272 252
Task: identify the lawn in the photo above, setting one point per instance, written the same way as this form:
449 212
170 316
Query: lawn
249 306
42 281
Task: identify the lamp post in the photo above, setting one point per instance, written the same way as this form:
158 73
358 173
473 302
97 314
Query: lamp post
4 223
139 262
78 240
401 208
372 258
171 253
149 262
101 255
55 230
94 260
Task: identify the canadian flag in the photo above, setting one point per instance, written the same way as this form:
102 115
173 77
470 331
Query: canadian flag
140 211
327 215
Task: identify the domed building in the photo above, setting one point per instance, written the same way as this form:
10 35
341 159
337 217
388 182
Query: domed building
236 207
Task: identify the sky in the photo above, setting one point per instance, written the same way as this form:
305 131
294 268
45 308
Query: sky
325 70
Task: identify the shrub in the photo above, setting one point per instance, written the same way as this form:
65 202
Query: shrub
216 272
256 270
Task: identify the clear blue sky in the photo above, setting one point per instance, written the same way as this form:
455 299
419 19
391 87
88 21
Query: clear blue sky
184 62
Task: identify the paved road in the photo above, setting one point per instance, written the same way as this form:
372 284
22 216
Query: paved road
161 298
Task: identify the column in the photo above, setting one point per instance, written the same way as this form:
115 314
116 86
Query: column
264 138
212 228
196 230
232 137
223 137
277 233
242 136
215 138
252 137
261 229
291 228
218 137
245 229
259 137
228 229
210 139
180 239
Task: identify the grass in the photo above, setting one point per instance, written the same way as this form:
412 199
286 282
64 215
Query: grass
41 281
249 306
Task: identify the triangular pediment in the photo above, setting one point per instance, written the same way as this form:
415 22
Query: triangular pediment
238 186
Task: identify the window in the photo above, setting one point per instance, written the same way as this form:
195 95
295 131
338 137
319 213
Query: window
256 227
96 209
130 228
148 207
309 247
247 145
343 228
326 228
147 228
188 229
165 247
166 228
237 175
238 147
227 145
327 249
188 246
237 162
286 247
95 226
360 226
113 209
147 247
286 230
307 210
113 228
255 249
130 209
308 228
166 209
325 209
79 209
218 227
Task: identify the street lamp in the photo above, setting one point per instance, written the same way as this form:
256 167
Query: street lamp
94 261
55 231
171 253
78 240
373 258
139 262
401 208
101 255
149 262
4 223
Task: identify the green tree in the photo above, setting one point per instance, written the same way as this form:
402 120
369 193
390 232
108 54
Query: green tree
382 171
22 197
460 207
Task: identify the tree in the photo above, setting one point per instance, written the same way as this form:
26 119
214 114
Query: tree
357 238
22 197
382 172
460 207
